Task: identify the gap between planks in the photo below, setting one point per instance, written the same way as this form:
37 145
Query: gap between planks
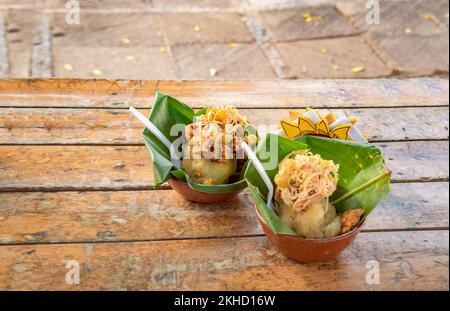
166 187
174 239
141 144
243 107
166 215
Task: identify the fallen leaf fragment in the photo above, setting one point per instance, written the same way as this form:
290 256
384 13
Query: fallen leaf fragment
212 72
97 72
68 67
358 69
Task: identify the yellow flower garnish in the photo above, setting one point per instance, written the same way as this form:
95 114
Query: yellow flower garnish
234 45
313 123
162 50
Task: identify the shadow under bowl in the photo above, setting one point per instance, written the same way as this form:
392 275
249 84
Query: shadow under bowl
193 195
310 250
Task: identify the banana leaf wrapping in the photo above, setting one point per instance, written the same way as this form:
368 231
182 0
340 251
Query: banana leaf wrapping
364 180
166 112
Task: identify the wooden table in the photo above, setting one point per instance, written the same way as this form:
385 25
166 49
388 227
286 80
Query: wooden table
76 184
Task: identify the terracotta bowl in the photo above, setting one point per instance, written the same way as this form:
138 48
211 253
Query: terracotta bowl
310 250
190 194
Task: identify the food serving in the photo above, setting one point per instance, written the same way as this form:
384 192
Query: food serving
304 185
213 145
197 152
314 199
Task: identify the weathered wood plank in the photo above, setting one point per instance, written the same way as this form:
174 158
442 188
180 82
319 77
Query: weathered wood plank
262 94
407 261
314 93
36 217
417 160
103 126
125 167
53 167
77 86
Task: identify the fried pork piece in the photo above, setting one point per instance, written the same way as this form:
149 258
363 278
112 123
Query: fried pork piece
350 219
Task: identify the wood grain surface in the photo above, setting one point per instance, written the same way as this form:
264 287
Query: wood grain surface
407 260
244 94
126 167
113 126
55 217
76 184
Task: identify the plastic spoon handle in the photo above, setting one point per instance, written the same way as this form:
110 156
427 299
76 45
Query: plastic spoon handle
155 131
262 172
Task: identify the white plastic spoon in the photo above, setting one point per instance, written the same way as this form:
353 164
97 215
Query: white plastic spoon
262 172
155 131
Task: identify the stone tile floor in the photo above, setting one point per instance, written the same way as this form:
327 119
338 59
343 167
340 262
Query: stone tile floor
224 39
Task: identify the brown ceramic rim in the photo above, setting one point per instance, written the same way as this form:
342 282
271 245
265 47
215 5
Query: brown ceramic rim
190 194
336 238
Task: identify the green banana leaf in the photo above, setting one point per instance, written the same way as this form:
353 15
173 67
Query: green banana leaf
165 113
364 180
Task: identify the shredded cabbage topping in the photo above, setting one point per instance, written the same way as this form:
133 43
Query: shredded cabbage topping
304 178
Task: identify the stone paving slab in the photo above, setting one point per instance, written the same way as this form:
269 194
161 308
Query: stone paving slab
99 4
412 36
4 58
244 62
21 26
351 7
118 29
112 63
308 23
17 3
19 62
405 17
332 58
414 55
204 28
279 4
276 39
195 4
21 31
164 5
440 9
